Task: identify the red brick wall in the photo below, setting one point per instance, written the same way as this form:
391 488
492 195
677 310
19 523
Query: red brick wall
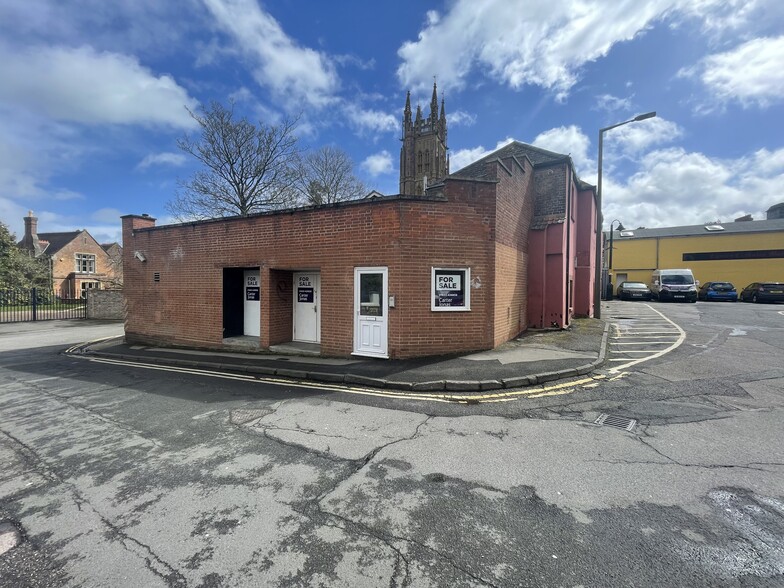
64 265
407 236
514 210
281 303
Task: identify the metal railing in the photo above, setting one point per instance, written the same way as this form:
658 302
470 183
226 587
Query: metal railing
38 304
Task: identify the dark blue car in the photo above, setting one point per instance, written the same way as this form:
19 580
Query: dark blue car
717 291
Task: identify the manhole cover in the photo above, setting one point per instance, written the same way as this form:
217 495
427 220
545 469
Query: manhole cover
618 422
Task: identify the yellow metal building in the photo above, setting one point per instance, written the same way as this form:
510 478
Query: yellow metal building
740 252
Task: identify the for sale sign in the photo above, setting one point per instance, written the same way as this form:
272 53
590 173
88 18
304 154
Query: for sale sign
449 287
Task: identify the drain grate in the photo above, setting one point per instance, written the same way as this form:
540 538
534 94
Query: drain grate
618 422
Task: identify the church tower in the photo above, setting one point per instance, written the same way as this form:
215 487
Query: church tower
423 155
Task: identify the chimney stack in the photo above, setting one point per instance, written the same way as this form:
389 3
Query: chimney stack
31 232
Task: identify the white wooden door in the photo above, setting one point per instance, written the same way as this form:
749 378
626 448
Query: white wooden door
252 308
370 311
307 316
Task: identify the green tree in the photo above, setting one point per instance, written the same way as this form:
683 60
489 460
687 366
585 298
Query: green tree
18 269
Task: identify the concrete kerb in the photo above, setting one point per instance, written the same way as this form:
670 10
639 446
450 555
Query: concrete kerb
332 378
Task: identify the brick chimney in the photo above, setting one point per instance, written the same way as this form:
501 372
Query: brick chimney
31 232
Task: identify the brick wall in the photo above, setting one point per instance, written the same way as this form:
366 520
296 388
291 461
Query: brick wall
514 211
407 236
65 278
550 188
105 305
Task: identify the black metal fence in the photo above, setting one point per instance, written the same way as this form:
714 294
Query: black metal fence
37 304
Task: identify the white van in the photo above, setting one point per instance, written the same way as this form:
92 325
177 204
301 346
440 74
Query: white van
674 284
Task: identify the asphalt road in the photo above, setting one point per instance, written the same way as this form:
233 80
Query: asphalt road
121 476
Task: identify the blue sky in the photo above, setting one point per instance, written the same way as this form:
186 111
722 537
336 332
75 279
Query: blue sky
93 94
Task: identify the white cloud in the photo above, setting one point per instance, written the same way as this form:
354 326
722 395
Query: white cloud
299 74
460 118
730 16
32 148
149 27
166 158
521 42
84 86
610 103
632 139
368 120
569 141
674 187
378 164
750 74
463 157
545 43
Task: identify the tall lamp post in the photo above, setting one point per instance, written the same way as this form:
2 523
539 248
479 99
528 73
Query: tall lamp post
597 290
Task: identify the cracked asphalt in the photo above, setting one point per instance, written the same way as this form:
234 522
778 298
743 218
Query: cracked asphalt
116 476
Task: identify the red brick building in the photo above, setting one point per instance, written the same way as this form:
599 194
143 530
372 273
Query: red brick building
500 246
77 261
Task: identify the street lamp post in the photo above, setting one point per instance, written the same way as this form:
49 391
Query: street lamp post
597 294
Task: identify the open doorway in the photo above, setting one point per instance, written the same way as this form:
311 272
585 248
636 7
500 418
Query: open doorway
241 302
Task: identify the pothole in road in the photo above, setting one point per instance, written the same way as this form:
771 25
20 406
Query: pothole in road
10 537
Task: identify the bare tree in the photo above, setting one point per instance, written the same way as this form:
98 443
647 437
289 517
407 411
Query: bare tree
247 168
327 176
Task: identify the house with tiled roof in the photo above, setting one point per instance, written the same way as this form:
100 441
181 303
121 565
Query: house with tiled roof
77 261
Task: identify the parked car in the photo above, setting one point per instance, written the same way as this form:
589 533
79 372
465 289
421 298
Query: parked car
763 292
634 291
710 291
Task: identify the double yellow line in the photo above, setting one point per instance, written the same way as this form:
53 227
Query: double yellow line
490 396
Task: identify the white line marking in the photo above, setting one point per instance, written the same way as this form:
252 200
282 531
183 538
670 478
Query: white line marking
675 345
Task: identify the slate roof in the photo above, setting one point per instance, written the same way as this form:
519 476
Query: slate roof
536 155
734 228
57 240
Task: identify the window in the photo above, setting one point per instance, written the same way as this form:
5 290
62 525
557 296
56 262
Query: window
88 286
85 263
450 289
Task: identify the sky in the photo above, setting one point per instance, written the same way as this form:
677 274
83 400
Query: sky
94 95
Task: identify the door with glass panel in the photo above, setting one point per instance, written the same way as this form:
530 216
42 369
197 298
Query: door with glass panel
370 311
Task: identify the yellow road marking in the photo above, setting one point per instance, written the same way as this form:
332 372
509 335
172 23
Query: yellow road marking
490 396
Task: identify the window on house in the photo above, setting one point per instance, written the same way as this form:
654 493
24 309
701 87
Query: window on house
419 162
85 263
88 286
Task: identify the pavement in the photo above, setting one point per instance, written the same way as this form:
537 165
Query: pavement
531 359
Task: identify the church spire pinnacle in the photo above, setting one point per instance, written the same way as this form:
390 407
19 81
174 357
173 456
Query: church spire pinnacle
434 102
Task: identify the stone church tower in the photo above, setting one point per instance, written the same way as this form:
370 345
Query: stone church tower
423 156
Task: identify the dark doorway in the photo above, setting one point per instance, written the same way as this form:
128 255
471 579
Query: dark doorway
233 307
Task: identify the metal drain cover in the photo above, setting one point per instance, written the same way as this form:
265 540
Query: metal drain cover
618 422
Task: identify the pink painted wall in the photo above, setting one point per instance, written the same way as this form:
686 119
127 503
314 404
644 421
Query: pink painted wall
546 284
585 254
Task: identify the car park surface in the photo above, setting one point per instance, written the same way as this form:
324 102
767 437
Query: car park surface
763 292
717 291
